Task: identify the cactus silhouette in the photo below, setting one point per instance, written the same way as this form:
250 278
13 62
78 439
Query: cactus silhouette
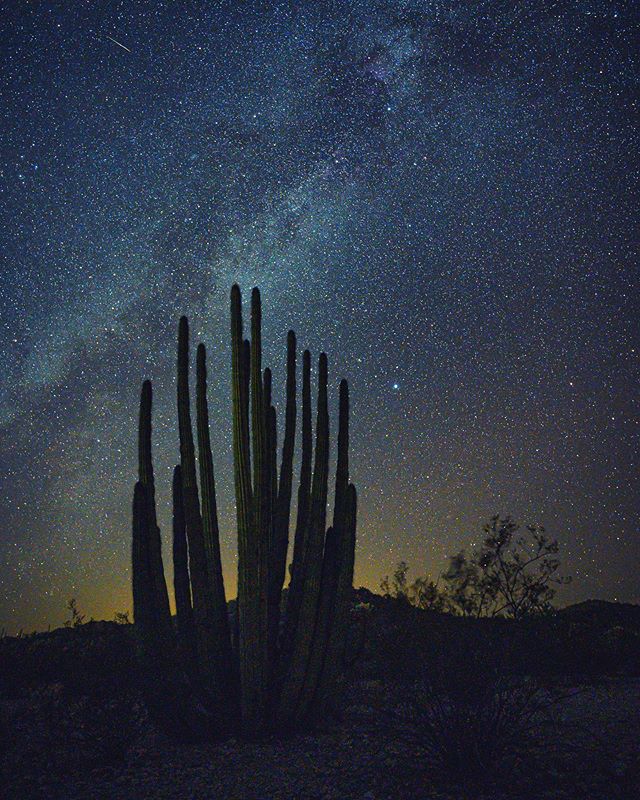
284 665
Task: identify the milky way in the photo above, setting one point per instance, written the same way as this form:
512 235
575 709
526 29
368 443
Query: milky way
441 195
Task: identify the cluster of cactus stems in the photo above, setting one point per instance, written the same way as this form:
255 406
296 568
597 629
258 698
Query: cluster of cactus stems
274 667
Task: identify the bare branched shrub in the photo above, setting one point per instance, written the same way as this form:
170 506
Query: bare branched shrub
422 593
474 719
514 574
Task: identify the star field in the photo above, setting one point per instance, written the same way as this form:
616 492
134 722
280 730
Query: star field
443 196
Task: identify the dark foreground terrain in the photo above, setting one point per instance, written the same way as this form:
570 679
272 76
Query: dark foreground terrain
74 725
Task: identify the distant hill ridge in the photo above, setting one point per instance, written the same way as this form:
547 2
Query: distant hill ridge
603 611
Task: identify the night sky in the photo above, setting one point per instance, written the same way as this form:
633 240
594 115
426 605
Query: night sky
442 195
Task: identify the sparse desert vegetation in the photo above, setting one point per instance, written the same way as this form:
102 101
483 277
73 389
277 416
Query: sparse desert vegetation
435 706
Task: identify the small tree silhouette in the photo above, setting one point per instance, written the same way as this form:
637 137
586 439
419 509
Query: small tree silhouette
397 587
512 575
76 619
422 593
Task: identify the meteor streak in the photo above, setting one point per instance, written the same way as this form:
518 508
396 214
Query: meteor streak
115 41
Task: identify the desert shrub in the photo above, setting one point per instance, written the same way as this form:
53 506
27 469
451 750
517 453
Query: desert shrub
513 574
422 593
75 618
397 585
475 719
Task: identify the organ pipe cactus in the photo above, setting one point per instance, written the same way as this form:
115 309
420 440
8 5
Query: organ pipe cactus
312 560
159 597
285 663
181 583
220 618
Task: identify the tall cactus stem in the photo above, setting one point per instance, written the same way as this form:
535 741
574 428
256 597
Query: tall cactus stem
290 701
211 531
326 693
304 501
334 556
181 583
160 596
210 665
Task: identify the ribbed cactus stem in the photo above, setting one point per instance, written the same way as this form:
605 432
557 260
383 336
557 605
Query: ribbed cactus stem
211 531
271 491
267 381
160 596
283 502
324 619
240 365
272 436
246 385
151 645
145 463
271 458
342 466
291 697
326 693
167 695
334 555
181 583
271 442
288 445
200 582
255 689
144 602
250 664
304 501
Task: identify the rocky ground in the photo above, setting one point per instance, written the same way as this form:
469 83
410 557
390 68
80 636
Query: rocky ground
73 726
590 750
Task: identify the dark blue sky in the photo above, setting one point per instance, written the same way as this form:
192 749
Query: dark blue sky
441 195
